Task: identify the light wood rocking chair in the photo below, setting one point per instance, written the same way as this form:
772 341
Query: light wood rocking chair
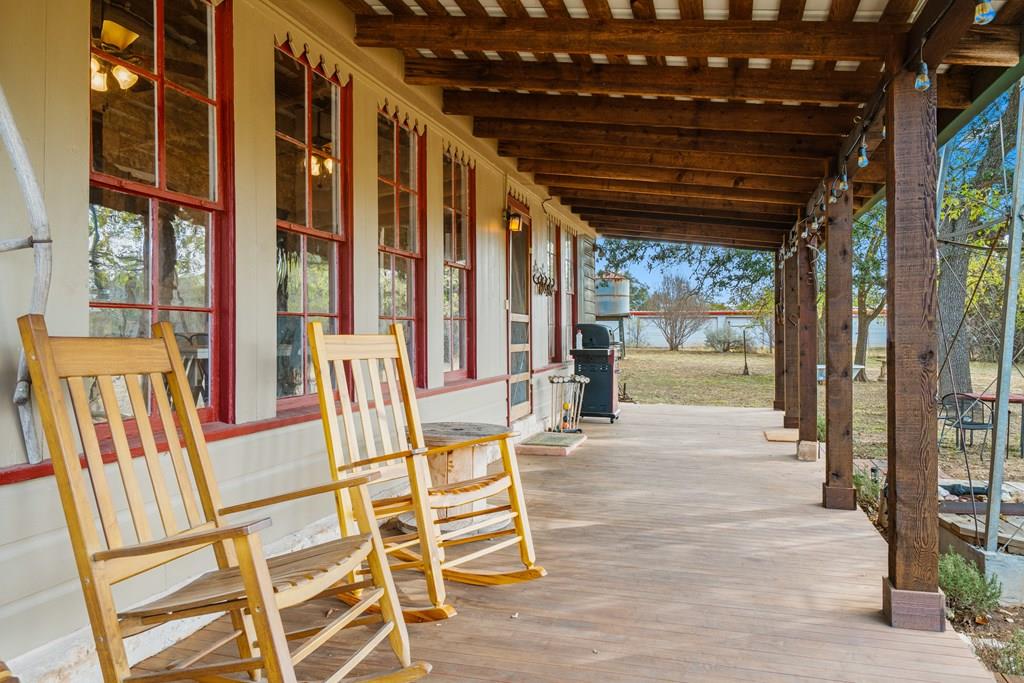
139 374
392 446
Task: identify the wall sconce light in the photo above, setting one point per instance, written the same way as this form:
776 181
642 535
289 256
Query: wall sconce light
514 221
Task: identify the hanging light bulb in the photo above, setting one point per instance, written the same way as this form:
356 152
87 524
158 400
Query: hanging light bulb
98 80
984 12
885 133
844 182
314 166
922 82
94 65
124 77
862 154
328 166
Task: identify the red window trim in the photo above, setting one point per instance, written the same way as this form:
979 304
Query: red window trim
223 431
468 371
419 302
343 245
557 355
222 282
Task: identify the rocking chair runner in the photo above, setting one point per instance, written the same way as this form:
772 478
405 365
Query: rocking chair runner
251 588
399 440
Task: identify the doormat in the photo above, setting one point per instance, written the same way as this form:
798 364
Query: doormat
551 443
786 435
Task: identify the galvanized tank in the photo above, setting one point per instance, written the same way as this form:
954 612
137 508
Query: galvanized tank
612 295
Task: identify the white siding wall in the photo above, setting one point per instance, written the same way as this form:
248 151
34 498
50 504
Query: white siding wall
44 70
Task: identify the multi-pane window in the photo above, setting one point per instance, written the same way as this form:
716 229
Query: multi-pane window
310 231
551 251
458 276
568 292
155 201
400 240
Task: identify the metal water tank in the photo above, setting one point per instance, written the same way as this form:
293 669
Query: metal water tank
612 295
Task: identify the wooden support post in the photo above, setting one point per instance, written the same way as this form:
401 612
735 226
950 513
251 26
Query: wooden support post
791 419
778 336
807 448
910 595
837 489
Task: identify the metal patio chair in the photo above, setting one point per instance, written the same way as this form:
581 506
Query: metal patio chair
965 414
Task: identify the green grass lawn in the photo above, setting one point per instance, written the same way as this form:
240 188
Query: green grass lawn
716 379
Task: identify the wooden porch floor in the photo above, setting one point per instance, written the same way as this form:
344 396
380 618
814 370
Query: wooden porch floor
680 546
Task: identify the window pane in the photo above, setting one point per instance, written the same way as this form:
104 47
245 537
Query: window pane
520 268
124 28
291 182
519 392
386 289
118 247
290 96
321 281
290 342
461 238
520 333
407 215
329 328
183 256
188 45
325 193
289 271
449 197
385 147
191 128
520 362
118 322
324 117
449 247
458 340
447 346
406 157
458 288
386 213
446 298
123 126
403 287
192 330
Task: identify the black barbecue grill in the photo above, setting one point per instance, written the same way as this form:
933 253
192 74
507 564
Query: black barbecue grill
596 359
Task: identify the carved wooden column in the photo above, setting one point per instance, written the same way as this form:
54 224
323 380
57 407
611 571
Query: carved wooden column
791 317
911 595
807 448
837 489
779 336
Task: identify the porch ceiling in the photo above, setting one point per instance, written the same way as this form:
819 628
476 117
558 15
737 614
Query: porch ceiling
705 120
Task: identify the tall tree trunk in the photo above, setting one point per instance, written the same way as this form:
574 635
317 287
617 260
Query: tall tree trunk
956 375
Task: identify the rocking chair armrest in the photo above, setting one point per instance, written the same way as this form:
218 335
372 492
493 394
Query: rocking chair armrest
329 487
190 540
382 458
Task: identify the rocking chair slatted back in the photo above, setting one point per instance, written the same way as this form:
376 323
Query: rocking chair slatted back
126 384
387 419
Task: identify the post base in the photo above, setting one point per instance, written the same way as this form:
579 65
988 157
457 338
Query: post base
807 451
838 497
914 610
790 422
778 405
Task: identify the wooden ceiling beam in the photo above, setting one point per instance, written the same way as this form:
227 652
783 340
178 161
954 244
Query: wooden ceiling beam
741 117
694 229
654 217
586 169
809 169
593 206
674 190
572 195
667 235
625 138
820 87
689 38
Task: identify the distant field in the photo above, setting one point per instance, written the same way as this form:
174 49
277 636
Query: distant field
716 379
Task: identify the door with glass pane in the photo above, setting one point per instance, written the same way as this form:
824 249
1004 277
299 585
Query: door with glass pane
519 255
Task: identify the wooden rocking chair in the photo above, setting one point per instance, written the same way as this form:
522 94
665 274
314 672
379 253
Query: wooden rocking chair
393 447
252 589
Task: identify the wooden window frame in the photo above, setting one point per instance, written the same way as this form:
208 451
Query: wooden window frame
419 280
468 369
553 251
340 239
221 281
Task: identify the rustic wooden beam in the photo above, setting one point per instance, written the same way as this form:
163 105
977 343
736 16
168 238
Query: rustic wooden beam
778 221
673 189
837 489
811 169
768 236
660 138
911 596
691 38
807 305
954 39
655 236
829 87
585 169
778 336
749 118
791 303
573 194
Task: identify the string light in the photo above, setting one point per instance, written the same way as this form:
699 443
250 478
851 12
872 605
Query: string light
862 154
844 181
984 13
922 82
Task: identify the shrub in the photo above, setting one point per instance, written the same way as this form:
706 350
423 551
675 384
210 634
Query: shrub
968 592
869 491
724 340
1010 657
821 428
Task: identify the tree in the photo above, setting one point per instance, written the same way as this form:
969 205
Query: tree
868 277
681 310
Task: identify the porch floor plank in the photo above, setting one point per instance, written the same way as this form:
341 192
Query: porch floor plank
680 546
